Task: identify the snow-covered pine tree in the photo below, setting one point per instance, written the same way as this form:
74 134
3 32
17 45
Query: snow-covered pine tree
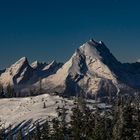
45 132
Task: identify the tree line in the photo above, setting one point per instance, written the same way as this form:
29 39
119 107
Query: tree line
121 122
8 92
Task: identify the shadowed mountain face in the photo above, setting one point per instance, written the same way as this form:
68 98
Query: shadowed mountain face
92 70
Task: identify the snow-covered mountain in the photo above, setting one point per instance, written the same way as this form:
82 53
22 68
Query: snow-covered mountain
92 69
22 75
18 74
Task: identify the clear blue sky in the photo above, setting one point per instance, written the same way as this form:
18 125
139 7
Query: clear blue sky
53 29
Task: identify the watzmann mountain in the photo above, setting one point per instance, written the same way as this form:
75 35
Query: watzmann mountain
92 69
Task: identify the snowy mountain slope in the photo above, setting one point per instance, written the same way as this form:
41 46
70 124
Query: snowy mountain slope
17 110
25 112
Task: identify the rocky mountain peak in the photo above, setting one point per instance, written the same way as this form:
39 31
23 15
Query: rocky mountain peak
38 65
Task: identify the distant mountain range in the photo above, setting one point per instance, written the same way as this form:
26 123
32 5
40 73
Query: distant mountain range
92 69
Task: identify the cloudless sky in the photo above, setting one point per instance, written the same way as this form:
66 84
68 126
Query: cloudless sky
53 29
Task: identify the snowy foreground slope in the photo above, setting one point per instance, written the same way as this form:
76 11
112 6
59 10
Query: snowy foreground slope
17 110
25 113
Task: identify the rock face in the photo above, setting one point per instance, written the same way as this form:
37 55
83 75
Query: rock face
91 70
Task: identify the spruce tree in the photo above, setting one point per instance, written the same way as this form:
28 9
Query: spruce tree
100 126
38 132
10 135
88 124
29 136
2 94
40 86
2 132
44 105
137 116
57 133
19 135
76 123
117 119
45 132
10 91
128 123
62 114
